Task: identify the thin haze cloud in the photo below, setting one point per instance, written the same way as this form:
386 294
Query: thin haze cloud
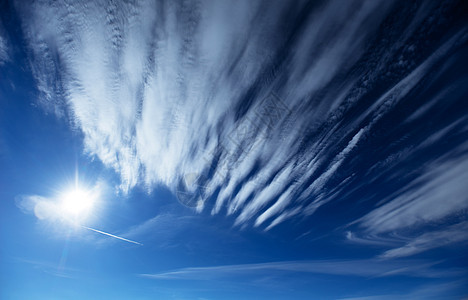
3 50
4 47
362 268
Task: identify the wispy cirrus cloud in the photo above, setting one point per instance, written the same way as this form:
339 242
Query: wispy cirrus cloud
164 228
404 221
437 193
3 50
4 47
432 291
452 234
58 269
413 219
362 268
271 104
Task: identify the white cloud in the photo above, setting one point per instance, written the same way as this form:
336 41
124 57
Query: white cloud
426 291
4 50
405 220
65 202
439 192
453 234
362 268
160 91
373 240
163 228
401 244
61 216
45 209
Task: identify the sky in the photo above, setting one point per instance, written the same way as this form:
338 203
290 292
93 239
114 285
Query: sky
233 149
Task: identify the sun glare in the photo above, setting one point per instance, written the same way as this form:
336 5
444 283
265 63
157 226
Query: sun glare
77 204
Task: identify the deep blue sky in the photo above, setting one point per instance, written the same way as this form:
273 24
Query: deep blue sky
247 150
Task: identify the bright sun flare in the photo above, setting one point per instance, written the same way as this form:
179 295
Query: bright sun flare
77 203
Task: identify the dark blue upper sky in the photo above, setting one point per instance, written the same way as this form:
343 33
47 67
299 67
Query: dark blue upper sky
233 150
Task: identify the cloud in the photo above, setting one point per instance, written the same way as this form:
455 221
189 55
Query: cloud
52 268
425 213
64 206
268 102
4 47
163 228
403 244
4 57
45 209
373 240
453 234
61 214
361 268
437 193
432 291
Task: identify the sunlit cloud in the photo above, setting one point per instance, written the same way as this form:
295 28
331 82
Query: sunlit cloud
260 149
71 206
271 133
43 208
67 210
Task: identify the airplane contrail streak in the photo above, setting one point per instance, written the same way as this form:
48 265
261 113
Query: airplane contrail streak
111 235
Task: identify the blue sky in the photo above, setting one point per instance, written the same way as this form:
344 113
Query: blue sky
221 150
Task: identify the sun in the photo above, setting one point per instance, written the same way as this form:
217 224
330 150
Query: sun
77 203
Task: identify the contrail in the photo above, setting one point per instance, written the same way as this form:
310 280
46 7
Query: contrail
111 235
